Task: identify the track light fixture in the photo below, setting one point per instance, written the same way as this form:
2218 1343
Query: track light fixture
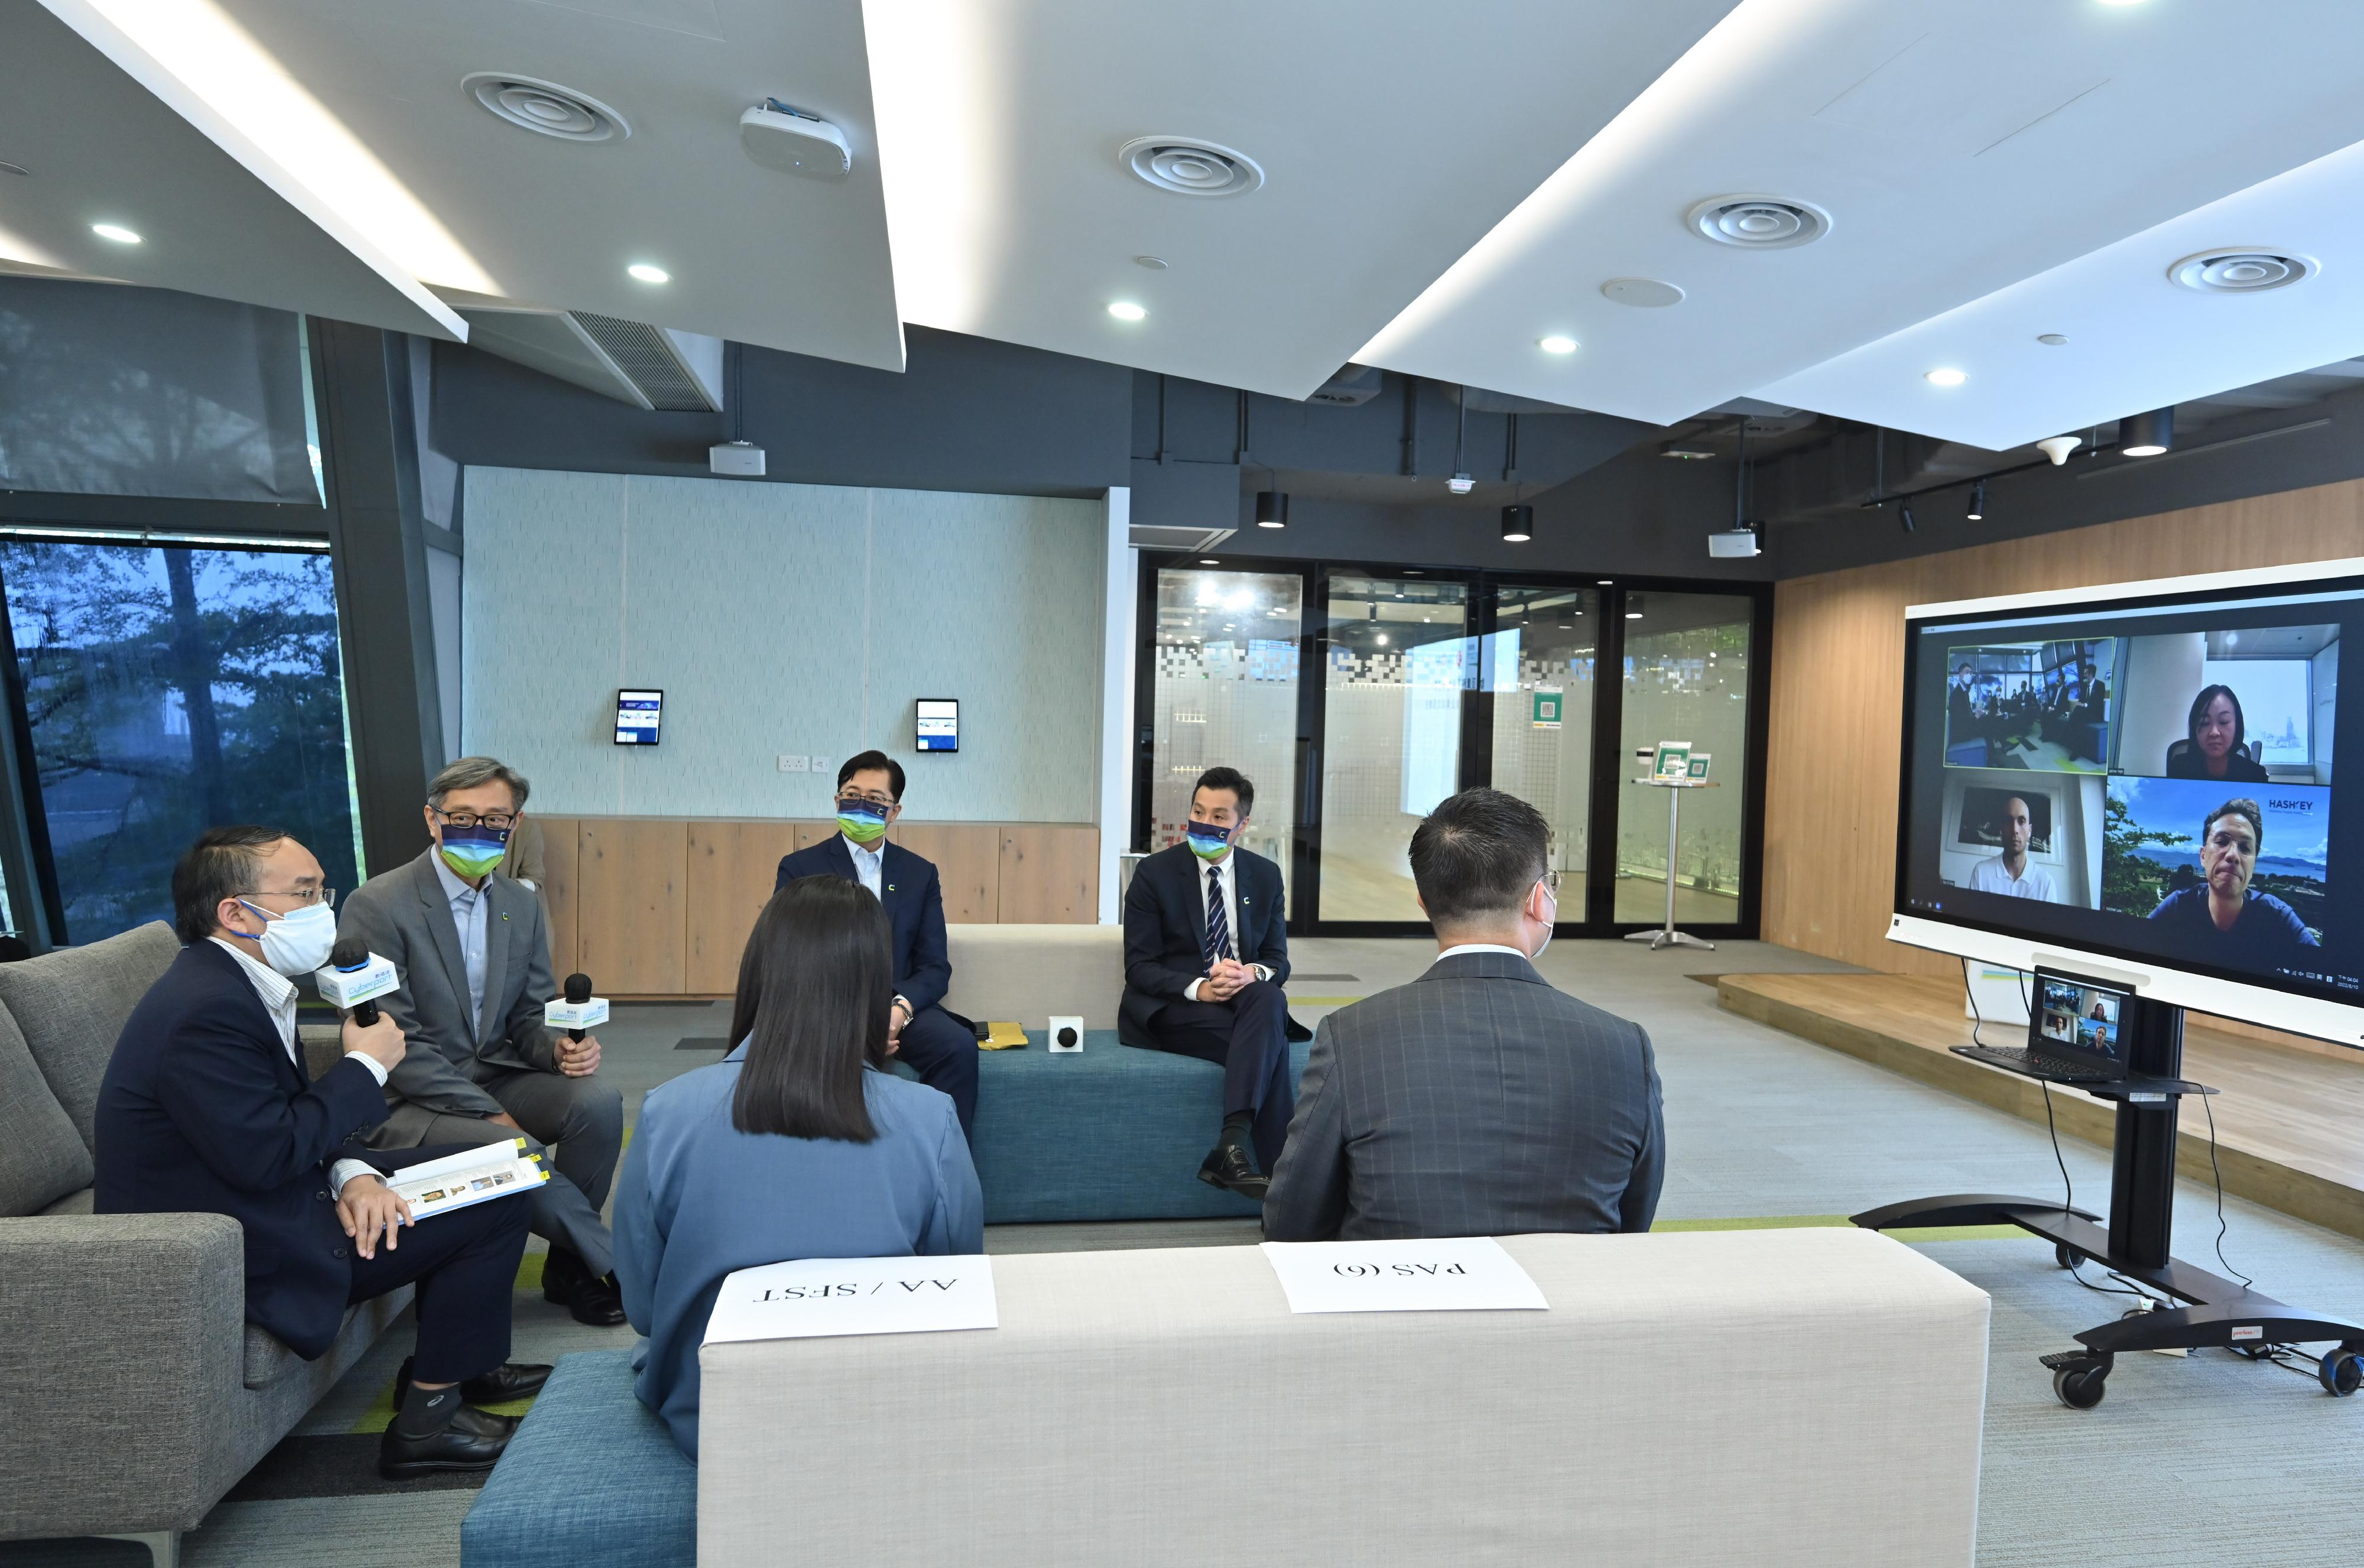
1904 516
1978 511
1518 524
2147 435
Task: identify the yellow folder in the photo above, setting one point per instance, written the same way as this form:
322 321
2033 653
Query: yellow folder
1003 1037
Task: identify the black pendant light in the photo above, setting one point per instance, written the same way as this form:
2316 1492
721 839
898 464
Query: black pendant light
1518 524
2147 435
1272 509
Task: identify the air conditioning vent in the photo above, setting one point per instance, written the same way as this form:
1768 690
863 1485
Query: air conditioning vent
1154 535
644 356
545 107
1190 167
2240 272
648 367
1758 223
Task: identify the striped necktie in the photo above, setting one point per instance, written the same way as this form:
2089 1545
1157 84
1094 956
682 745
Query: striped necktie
1219 923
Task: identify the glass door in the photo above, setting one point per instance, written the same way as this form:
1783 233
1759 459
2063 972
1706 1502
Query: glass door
1687 679
1224 691
1538 673
1399 664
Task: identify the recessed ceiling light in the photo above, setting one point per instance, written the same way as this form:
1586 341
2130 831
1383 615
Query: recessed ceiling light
1944 375
1650 294
1607 581
1555 344
115 232
1203 562
1125 310
2053 339
649 275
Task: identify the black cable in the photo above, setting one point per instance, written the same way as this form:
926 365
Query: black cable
2221 1222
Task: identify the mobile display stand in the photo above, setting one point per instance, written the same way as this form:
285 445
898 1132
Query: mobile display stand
2141 1214
1666 936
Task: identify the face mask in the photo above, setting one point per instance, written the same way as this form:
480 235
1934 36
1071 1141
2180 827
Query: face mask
860 820
1208 841
297 942
473 851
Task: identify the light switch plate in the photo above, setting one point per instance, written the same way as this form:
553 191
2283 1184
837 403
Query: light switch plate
821 764
790 763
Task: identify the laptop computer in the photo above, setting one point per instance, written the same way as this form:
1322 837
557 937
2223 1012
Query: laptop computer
2072 1031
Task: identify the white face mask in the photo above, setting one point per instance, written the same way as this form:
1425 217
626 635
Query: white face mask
297 942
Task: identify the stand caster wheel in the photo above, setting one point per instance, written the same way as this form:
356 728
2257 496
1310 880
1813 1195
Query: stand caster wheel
2341 1373
2078 1390
2067 1257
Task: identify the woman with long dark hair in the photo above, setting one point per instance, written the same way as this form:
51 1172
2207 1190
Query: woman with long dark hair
793 1146
2215 745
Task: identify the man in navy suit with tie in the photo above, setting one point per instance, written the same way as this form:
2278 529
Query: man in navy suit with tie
1205 954
938 1045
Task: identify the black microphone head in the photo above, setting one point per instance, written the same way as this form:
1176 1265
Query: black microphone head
578 987
349 953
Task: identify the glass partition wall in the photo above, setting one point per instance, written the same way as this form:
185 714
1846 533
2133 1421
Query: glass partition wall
1421 681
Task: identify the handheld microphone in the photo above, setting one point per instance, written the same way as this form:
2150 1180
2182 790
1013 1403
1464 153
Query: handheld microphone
578 990
351 956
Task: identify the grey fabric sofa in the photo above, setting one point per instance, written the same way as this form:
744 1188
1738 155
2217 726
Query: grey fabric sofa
136 1393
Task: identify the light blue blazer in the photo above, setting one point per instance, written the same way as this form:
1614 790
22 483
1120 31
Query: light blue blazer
698 1199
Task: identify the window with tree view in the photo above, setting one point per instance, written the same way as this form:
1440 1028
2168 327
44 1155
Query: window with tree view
169 689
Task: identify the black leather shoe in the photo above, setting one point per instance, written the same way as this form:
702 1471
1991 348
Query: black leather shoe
1229 1167
472 1442
510 1380
598 1302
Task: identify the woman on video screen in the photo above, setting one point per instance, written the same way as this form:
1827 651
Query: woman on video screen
2216 748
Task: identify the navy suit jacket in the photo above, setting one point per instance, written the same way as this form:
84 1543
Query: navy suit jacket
201 1111
914 900
1166 930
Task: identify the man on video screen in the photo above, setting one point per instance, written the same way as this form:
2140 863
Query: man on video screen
2222 916
2008 873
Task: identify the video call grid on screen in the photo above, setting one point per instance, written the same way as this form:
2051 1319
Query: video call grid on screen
2083 1016
2068 772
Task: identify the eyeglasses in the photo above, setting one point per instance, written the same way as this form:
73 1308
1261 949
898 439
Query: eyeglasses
327 896
1551 883
499 821
883 802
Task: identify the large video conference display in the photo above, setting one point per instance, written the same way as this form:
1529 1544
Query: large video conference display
2150 779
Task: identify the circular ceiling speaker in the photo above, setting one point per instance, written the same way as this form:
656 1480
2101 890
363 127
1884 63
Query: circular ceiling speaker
1188 167
1758 223
1648 293
545 107
2241 271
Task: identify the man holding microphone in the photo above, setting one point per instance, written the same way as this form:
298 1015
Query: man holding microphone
474 953
207 1107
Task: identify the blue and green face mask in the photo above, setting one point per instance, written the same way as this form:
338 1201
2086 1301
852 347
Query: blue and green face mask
1208 841
862 821
473 851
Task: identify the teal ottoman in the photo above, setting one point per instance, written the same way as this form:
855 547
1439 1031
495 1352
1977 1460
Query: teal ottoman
591 1477
1108 1132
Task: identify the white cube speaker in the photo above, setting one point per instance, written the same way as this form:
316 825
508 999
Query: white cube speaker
1066 1034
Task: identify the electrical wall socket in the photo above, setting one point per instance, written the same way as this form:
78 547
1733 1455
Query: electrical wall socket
793 764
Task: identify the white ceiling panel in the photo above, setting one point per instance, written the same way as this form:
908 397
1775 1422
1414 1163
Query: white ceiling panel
1392 134
1958 149
755 254
106 136
2135 339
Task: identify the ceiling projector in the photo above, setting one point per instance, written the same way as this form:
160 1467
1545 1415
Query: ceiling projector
1740 541
781 135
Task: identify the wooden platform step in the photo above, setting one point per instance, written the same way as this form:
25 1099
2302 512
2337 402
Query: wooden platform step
2289 1124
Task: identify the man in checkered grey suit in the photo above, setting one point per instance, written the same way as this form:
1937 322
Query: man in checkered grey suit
1477 1100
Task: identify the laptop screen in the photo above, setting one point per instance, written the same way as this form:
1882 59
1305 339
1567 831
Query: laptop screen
2078 1020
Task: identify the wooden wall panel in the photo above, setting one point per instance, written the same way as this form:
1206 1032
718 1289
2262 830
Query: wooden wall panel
968 859
560 880
811 833
1838 691
631 919
1050 875
732 866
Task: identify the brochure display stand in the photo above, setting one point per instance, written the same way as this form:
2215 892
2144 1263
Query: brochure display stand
1666 936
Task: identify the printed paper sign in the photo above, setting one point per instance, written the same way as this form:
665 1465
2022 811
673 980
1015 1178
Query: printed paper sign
1672 759
1547 707
816 1296
1467 1274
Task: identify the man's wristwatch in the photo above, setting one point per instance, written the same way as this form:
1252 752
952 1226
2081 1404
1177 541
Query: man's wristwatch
910 1012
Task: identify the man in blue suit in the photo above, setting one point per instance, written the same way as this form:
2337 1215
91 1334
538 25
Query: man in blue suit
206 1108
940 1047
1205 954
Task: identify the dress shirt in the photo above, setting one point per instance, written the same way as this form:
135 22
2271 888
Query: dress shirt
470 913
1223 879
278 993
1991 876
1460 948
870 866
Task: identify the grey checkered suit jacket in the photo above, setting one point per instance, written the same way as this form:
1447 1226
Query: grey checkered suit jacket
1476 1101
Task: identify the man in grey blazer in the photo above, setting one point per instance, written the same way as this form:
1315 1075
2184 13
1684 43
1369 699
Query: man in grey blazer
474 953
1477 1100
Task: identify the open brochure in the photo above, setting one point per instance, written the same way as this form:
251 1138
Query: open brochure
494 1169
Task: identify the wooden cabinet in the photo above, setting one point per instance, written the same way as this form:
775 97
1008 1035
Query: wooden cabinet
1050 875
733 867
558 882
631 907
968 863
